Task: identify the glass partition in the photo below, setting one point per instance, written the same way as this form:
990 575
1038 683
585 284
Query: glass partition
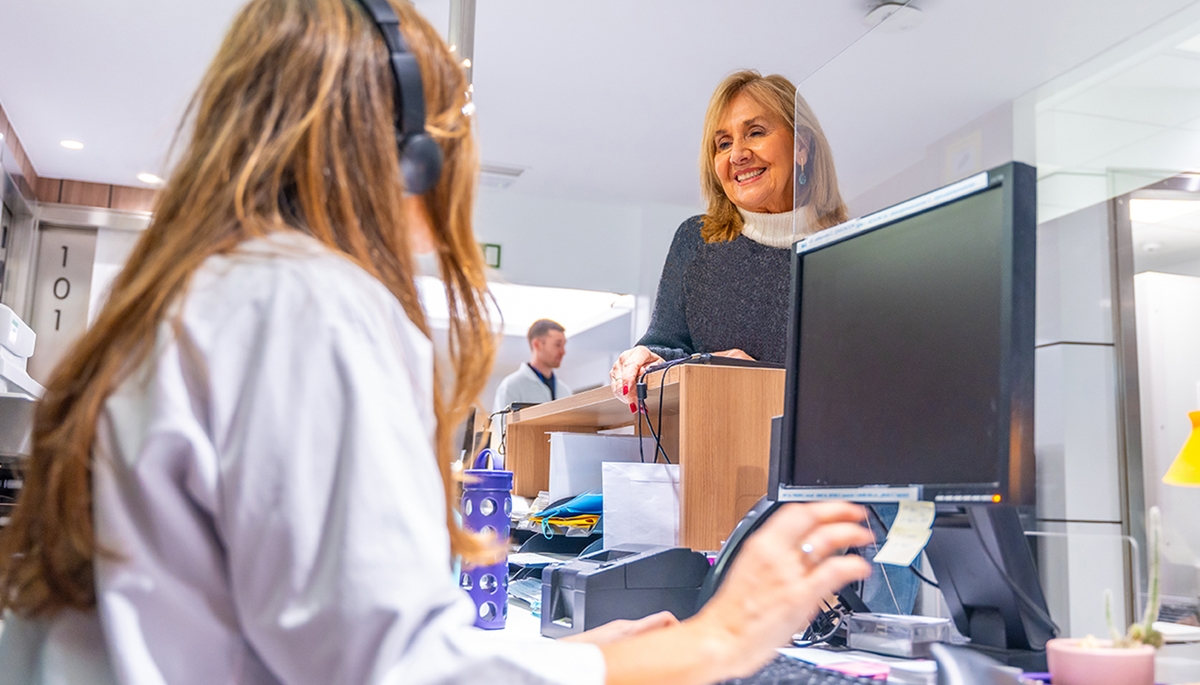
1104 100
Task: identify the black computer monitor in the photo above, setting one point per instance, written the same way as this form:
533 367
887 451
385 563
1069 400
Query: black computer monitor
910 354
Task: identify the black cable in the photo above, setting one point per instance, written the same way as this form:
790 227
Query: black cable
641 447
657 440
661 388
922 577
1038 612
664 366
885 528
503 431
824 625
642 392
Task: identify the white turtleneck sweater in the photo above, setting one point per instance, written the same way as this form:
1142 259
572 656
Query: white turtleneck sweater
774 230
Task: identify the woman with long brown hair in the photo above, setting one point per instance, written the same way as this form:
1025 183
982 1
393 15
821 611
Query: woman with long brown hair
240 473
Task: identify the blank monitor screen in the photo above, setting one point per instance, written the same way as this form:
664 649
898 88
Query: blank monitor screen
902 372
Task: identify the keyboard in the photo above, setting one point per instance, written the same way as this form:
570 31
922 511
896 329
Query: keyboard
784 670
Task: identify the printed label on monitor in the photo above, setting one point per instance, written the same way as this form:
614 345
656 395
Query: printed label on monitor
918 204
865 495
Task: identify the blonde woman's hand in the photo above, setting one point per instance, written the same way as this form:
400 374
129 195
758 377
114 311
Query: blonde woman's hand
625 373
783 571
734 354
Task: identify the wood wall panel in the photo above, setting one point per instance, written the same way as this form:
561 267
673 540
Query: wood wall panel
86 194
49 189
132 199
18 152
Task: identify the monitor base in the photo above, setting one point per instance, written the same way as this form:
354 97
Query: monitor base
1028 660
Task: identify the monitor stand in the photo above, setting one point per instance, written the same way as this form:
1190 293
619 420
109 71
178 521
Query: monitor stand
1011 626
986 572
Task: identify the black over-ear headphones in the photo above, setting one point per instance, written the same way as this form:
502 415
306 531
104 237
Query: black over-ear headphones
420 156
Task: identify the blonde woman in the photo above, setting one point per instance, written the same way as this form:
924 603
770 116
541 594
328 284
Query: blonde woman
724 287
240 473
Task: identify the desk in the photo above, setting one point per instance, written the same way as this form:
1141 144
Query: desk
1176 664
716 424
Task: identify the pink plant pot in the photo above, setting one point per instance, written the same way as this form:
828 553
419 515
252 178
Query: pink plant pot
1073 664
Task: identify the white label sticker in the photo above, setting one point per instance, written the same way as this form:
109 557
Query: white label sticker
908 535
920 203
864 495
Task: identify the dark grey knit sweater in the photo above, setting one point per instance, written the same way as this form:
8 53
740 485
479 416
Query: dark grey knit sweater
720 296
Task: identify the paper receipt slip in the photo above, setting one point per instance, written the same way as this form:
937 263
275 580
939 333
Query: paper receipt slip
908 535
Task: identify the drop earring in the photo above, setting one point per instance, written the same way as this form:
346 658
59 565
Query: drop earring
802 179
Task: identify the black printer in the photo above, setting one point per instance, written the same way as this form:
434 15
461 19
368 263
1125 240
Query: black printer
632 581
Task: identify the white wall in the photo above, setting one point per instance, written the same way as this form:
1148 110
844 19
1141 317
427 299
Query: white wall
586 244
567 243
113 247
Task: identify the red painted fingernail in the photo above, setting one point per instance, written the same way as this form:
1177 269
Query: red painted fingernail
632 408
625 389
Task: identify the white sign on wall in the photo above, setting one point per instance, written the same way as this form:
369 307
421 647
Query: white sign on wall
62 287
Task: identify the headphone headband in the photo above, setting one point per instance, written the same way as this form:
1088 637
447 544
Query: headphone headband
420 155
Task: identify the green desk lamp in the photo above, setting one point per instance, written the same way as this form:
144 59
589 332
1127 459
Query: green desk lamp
1185 470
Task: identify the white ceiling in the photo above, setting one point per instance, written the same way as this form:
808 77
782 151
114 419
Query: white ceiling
600 99
1142 121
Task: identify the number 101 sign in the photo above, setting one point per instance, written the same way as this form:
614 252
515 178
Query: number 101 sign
61 295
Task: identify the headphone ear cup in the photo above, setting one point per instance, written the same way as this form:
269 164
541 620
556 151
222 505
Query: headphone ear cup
420 162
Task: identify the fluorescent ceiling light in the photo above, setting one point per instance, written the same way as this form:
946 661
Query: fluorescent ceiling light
1149 211
499 176
71 144
1190 45
149 179
518 306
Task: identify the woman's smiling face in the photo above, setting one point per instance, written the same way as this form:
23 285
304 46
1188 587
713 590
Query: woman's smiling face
754 157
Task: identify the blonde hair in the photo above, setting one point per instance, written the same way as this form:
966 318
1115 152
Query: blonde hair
293 132
778 96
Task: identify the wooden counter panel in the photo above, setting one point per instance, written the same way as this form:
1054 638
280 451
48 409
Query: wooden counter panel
725 440
716 424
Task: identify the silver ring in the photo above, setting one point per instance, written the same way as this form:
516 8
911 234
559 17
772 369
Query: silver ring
809 553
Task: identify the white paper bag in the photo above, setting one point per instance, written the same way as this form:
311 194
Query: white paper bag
575 459
641 504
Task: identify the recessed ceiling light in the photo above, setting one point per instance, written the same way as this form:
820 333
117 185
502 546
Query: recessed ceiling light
150 179
466 63
1151 211
71 144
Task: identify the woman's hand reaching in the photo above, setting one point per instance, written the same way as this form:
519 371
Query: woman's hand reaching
625 373
774 587
615 631
783 571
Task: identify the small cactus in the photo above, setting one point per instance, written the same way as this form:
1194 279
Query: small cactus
1142 633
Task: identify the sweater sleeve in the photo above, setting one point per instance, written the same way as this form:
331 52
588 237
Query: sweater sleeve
668 335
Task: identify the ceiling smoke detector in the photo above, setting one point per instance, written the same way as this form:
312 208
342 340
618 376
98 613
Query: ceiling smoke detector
498 176
893 16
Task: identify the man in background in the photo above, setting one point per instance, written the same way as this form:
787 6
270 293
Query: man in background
535 381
